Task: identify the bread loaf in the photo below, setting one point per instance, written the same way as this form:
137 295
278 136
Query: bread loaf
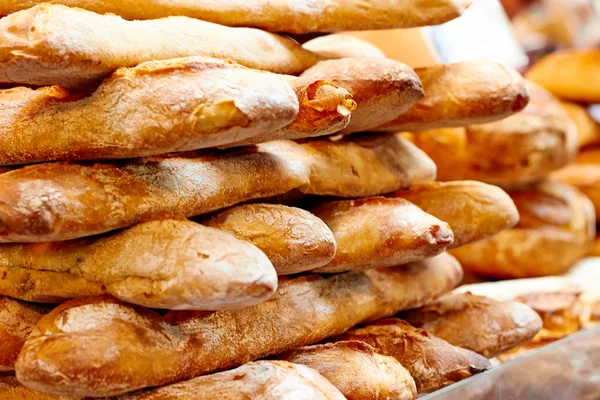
295 16
169 263
357 371
342 45
66 353
588 129
556 229
382 88
17 320
462 94
474 210
50 202
572 74
294 240
163 106
380 232
477 323
12 389
522 148
51 44
432 362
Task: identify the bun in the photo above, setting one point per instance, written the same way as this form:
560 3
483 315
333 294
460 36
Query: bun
588 129
342 45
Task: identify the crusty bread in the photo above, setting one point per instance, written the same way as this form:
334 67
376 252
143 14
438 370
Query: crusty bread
294 239
572 74
295 16
431 361
168 263
342 45
17 320
509 290
588 129
462 94
522 148
49 202
67 352
356 370
163 106
474 210
51 44
477 323
12 389
382 88
556 229
324 109
380 232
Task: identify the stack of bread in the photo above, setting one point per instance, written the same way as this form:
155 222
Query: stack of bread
218 211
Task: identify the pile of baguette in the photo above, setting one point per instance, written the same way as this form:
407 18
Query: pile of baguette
193 206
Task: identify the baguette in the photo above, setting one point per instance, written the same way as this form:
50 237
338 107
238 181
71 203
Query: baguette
66 353
588 129
342 45
163 106
49 202
364 166
477 323
474 210
324 109
431 361
357 371
462 94
572 74
522 148
294 240
378 232
37 48
169 263
17 320
294 16
382 88
556 229
12 389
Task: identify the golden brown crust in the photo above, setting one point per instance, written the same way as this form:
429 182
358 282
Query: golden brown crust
368 165
588 129
557 229
380 232
164 106
168 263
50 202
431 361
294 16
382 88
356 370
67 352
477 323
522 148
294 239
570 74
342 45
17 320
12 389
462 94
36 49
474 210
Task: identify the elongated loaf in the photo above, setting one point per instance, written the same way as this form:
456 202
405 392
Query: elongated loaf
50 202
169 263
382 88
340 45
51 44
522 148
163 106
325 108
462 94
17 320
363 166
474 210
294 239
66 353
357 371
431 361
477 323
295 16
381 232
556 229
